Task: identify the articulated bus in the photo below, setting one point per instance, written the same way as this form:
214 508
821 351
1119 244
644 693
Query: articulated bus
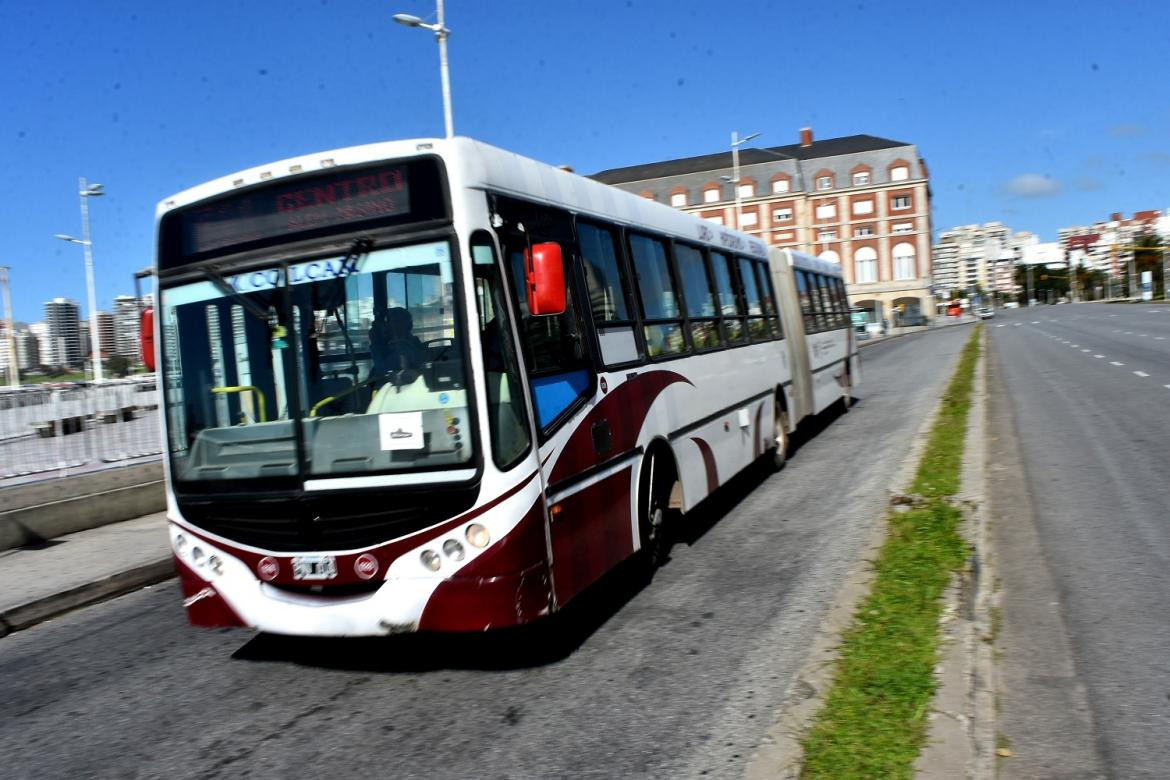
431 385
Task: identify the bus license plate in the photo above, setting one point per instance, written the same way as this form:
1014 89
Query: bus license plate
314 567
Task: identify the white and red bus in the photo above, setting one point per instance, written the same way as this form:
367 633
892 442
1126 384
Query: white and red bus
433 385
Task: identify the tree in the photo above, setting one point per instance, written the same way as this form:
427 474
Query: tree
119 365
1148 257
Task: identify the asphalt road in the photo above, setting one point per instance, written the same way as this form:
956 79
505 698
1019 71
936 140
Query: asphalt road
676 677
1088 386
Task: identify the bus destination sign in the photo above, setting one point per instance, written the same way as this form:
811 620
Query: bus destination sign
322 202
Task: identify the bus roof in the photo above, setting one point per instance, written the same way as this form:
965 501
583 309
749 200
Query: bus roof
476 165
807 262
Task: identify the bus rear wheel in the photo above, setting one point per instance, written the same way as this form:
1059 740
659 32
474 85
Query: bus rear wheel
779 454
655 513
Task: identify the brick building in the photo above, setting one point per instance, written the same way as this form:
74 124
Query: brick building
860 201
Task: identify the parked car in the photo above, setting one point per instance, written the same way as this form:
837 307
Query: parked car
986 313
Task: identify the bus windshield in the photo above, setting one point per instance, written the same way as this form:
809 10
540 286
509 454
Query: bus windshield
364 351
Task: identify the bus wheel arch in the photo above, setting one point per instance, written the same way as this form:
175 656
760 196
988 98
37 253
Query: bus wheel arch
659 500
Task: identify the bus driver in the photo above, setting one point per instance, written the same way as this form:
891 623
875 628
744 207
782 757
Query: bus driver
394 348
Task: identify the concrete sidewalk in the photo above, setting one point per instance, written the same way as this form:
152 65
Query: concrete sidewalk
41 581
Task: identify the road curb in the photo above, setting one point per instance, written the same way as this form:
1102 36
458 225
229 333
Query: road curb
961 734
779 754
39 610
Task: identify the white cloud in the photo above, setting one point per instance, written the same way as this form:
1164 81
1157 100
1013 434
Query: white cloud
1126 130
1032 185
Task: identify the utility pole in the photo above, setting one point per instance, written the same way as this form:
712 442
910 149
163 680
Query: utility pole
1028 269
10 336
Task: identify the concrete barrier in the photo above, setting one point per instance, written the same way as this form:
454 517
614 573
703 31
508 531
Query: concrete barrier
37 512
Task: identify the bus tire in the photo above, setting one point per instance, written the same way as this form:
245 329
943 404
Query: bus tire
778 455
654 513
846 390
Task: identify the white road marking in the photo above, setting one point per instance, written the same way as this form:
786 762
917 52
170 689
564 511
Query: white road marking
1140 373
1159 338
1074 346
1115 363
1001 325
1129 333
1144 335
1098 356
1084 350
1035 322
1016 324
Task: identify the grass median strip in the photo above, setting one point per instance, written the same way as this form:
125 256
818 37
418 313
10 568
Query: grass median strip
874 723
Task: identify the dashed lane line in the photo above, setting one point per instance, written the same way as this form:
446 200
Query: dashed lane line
1140 373
1115 363
1098 356
1086 350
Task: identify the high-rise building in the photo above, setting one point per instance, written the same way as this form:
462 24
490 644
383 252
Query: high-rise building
40 332
860 201
63 323
126 336
1105 245
105 322
971 258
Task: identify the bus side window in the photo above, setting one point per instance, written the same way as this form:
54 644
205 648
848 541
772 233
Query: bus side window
757 324
843 299
608 294
660 309
507 420
559 369
821 303
806 303
764 277
698 295
730 303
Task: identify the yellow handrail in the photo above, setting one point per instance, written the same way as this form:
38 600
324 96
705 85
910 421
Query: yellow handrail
241 388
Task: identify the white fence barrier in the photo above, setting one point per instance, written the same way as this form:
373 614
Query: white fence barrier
66 428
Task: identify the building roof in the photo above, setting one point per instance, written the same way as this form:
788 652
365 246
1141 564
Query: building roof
831 147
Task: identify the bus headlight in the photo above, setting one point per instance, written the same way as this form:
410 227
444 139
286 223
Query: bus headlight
477 535
431 560
453 549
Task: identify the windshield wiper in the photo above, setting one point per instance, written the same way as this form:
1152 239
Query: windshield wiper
225 287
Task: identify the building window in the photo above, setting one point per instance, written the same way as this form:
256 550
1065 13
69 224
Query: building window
782 215
747 189
648 195
749 219
899 173
862 232
861 207
678 199
824 182
866 259
900 202
711 195
827 235
861 179
780 186
902 227
826 211
831 256
716 220
904 265
783 236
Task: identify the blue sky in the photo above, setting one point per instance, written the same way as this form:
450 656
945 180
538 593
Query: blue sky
1038 114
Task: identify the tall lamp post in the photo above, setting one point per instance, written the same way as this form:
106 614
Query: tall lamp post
13 362
441 33
737 142
88 191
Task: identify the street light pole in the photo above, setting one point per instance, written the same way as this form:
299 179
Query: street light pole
88 191
441 34
13 362
94 343
736 142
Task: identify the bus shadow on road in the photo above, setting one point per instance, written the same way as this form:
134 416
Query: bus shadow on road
541 643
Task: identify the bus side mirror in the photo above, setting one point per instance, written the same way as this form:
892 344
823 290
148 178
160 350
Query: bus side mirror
146 337
544 273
